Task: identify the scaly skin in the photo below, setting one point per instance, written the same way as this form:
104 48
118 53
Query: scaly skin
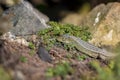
86 47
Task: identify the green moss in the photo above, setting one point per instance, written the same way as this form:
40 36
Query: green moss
23 59
116 67
50 35
81 57
31 45
61 69
104 73
32 52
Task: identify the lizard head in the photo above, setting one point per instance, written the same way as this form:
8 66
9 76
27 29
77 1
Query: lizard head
65 39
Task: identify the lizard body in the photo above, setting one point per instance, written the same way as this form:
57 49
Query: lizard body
86 47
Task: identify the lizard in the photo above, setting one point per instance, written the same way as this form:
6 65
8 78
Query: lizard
87 48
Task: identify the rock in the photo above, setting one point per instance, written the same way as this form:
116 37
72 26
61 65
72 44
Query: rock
26 19
18 75
104 24
12 38
5 24
43 54
72 18
94 18
76 17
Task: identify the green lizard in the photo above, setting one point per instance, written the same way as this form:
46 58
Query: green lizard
86 47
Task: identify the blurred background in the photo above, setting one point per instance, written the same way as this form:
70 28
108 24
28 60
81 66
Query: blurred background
67 10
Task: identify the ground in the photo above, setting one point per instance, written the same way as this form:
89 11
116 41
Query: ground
65 65
21 62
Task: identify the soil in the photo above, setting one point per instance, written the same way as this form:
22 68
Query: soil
33 68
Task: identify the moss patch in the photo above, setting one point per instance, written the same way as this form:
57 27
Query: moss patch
50 35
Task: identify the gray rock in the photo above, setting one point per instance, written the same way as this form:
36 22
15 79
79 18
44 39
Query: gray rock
43 54
26 20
